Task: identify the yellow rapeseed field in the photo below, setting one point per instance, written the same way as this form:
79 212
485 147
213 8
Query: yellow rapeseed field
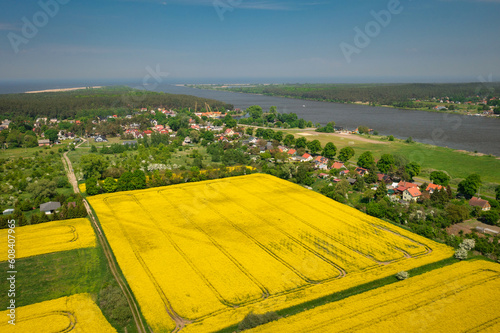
32 240
77 313
208 253
464 297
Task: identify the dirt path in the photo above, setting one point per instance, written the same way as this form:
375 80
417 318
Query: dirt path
343 136
107 250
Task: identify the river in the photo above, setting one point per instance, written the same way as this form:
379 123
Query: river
469 133
442 129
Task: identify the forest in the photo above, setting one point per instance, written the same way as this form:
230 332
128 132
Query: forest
400 95
78 103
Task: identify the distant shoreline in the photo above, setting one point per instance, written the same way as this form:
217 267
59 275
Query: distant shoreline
58 90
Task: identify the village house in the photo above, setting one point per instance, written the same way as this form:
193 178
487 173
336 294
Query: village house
384 178
362 171
338 165
411 194
43 142
478 202
306 157
50 207
431 188
320 160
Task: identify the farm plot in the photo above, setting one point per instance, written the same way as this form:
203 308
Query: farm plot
49 237
77 313
201 256
463 297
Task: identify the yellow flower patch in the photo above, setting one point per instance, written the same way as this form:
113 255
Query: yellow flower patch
77 313
463 297
32 240
208 253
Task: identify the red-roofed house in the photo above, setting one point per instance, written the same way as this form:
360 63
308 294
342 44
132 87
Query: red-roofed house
320 160
411 194
292 152
148 132
406 184
434 187
362 171
307 157
478 202
384 178
338 165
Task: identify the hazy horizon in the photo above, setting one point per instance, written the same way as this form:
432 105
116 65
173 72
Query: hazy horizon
432 41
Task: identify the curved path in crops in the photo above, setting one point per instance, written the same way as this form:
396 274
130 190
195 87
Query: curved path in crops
134 308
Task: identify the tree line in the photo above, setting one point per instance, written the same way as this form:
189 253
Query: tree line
92 102
383 94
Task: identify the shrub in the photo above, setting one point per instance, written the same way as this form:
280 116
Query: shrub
461 254
468 244
252 320
402 275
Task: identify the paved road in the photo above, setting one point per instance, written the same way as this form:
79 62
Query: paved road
105 246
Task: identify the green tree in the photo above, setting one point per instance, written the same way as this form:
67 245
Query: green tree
125 182
385 163
314 146
138 180
278 136
110 185
376 209
490 217
497 193
51 134
363 130
412 169
289 140
255 111
273 110
249 131
91 186
381 191
440 178
330 150
366 160
359 185
470 185
42 190
93 165
346 154
301 143
93 149
457 213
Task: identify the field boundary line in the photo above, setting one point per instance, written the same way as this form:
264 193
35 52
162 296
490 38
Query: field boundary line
265 292
178 320
405 254
341 270
113 266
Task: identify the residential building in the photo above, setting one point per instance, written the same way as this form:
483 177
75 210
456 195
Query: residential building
478 202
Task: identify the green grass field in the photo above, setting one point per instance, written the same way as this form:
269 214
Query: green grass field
46 277
457 164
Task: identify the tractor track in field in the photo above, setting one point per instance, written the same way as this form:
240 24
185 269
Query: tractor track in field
134 308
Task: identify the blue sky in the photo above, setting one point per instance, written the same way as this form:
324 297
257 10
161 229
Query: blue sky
293 41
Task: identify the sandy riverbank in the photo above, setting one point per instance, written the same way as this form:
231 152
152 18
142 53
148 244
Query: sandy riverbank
57 90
